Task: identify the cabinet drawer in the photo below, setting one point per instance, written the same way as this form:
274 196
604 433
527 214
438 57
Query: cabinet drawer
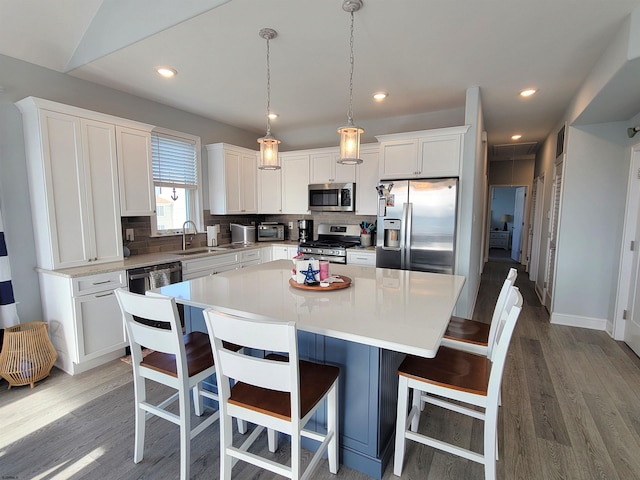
98 283
361 258
250 255
208 263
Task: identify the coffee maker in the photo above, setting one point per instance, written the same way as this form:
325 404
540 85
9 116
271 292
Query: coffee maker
305 230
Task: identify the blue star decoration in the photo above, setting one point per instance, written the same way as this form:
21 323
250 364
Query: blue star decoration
310 274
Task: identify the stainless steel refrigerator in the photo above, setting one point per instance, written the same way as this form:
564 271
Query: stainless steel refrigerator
417 224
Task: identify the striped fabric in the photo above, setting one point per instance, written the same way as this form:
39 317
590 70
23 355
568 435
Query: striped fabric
8 311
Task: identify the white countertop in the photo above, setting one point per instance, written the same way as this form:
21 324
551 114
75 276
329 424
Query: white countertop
137 261
398 310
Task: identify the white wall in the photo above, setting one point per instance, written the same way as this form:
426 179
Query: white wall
596 166
21 79
589 236
472 179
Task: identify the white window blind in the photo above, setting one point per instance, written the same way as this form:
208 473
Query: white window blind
174 162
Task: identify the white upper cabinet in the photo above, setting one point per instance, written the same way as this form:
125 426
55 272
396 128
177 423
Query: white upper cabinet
135 171
270 191
367 180
324 167
425 154
75 181
295 182
73 184
233 173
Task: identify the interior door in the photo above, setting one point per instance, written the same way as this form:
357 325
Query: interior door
518 223
629 296
632 330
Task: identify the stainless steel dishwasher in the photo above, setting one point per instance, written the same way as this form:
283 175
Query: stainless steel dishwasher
146 278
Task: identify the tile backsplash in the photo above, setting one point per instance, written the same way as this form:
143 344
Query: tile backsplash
144 243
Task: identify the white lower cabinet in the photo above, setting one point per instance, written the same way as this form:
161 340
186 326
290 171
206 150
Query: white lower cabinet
85 322
201 267
284 252
360 257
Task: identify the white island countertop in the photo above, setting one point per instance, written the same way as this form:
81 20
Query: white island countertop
399 310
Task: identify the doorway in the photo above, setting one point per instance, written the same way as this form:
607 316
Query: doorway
506 223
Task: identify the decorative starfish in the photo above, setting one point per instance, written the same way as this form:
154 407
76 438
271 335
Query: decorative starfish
310 274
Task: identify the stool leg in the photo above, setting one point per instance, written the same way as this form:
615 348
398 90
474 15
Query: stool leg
332 425
401 424
185 432
140 417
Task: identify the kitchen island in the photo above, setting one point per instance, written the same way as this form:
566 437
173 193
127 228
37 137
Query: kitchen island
366 329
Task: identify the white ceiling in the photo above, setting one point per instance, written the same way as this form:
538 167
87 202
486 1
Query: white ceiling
425 53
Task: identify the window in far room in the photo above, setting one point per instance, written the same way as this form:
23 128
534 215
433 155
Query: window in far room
176 178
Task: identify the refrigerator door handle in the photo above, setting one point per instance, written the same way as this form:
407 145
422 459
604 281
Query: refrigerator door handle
405 241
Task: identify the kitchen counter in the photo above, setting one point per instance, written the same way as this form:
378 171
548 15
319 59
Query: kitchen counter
137 261
399 310
366 329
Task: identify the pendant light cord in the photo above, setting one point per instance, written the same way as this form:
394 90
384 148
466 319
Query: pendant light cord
268 89
350 112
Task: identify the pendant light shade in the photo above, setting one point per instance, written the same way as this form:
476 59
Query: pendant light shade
350 134
269 159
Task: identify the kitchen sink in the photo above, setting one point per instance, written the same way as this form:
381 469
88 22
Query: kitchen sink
200 251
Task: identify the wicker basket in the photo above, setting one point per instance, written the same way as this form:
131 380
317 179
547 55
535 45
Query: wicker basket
27 354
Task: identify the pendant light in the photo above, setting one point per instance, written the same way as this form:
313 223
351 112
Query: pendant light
268 144
350 134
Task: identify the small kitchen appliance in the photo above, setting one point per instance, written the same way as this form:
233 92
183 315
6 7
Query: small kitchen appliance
305 231
332 244
270 232
243 233
212 235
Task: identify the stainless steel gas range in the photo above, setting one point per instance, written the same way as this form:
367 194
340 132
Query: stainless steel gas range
332 243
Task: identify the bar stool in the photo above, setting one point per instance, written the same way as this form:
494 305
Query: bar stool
458 381
280 393
176 361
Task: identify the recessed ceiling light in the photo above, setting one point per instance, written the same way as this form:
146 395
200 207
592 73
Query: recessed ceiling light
166 72
528 92
517 136
379 96
272 115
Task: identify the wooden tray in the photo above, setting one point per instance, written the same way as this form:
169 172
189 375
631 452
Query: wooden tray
332 286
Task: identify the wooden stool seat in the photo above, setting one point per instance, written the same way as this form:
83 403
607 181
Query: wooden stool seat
465 330
451 368
198 351
477 337
315 381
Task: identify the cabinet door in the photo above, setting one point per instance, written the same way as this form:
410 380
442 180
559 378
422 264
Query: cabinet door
270 191
366 182
343 173
65 191
295 183
399 159
249 183
320 168
99 326
135 172
324 168
232 181
102 199
440 156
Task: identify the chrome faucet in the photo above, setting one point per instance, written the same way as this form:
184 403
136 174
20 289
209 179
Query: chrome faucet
184 232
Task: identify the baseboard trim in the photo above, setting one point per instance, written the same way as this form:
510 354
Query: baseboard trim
578 321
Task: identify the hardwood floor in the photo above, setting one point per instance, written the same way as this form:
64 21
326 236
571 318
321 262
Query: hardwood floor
571 410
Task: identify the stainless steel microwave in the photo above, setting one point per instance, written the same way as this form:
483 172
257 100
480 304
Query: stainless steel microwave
332 197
